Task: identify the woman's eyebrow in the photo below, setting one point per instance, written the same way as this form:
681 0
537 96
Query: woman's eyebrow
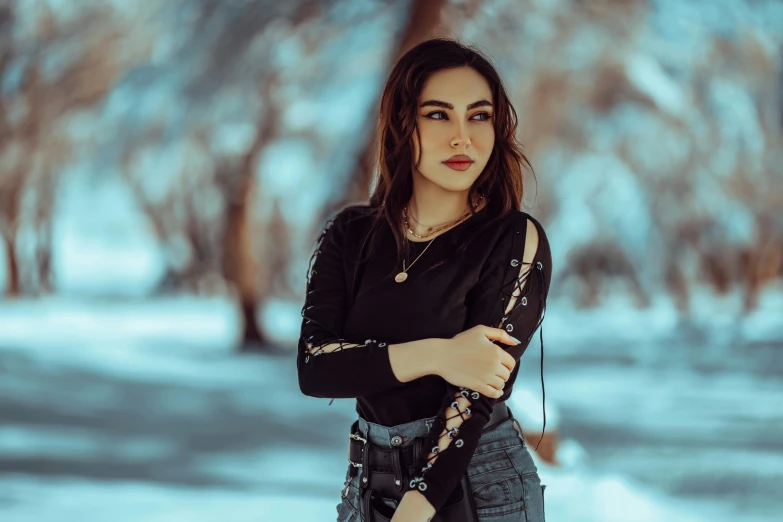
438 103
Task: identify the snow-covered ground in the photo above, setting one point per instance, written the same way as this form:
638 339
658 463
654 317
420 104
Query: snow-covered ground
138 410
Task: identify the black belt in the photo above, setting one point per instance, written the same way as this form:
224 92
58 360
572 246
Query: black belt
399 460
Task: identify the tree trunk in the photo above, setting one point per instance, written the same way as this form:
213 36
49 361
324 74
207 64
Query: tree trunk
238 261
12 279
422 22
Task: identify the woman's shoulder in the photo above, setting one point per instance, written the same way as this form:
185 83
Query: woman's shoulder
518 217
536 239
358 212
516 221
351 219
520 224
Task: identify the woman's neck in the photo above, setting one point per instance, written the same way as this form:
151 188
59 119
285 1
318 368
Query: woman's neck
434 212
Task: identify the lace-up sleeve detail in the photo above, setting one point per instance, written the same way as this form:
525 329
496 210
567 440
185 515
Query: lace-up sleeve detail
510 294
329 365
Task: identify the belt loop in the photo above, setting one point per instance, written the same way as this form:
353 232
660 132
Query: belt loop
355 435
365 475
418 442
397 467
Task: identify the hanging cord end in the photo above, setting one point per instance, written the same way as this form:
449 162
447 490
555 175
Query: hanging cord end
542 310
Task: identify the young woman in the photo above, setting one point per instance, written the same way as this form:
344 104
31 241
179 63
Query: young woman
420 303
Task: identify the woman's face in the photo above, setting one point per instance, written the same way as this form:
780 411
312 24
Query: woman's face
455 111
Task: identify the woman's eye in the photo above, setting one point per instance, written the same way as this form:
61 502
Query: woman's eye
486 115
430 115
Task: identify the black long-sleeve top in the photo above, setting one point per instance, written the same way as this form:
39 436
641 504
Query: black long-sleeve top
492 280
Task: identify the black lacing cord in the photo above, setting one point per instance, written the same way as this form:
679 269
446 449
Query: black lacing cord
334 336
464 392
522 300
310 271
542 312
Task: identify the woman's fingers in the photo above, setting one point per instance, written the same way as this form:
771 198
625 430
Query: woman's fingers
499 334
494 388
508 360
497 383
504 373
492 392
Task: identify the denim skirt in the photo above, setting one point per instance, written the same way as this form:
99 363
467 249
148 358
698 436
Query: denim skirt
503 477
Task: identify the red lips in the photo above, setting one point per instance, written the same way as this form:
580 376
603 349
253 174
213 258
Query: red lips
459 162
459 158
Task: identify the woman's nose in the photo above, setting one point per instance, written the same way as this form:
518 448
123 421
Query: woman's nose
460 137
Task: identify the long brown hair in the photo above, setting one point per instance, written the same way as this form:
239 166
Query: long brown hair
501 181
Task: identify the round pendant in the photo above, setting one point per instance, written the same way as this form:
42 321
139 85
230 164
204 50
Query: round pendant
402 276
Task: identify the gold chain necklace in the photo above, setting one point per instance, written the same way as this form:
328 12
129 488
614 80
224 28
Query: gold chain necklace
402 276
437 229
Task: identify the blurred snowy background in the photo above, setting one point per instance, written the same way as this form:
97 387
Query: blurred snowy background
165 166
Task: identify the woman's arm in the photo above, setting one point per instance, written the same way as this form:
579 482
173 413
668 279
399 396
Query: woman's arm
329 365
413 507
513 295
416 359
339 374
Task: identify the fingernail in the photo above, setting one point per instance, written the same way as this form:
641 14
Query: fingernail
515 339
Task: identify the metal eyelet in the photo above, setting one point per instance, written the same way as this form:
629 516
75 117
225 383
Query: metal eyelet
539 265
435 449
474 395
467 411
397 482
455 405
307 359
514 262
524 301
422 486
509 327
381 345
465 393
458 443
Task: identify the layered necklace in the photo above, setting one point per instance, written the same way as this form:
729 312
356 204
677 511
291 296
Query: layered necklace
402 276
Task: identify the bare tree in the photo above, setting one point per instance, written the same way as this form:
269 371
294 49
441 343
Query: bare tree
422 23
31 152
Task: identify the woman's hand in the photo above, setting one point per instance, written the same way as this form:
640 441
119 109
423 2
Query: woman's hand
471 360
414 507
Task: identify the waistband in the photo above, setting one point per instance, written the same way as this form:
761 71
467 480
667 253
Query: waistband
401 434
